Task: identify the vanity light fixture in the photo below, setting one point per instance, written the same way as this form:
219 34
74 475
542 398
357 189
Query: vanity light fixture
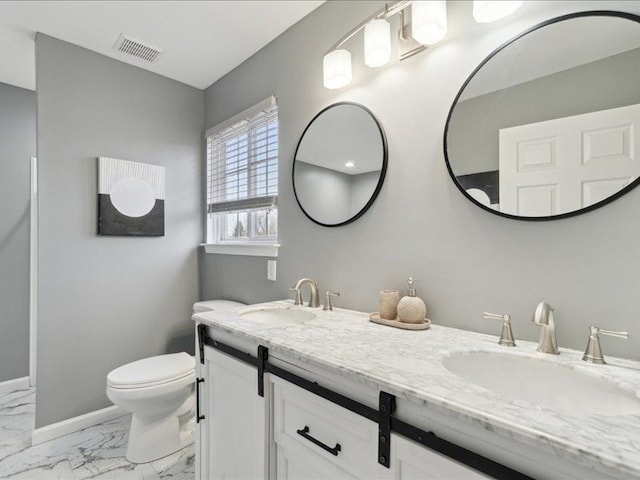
377 49
485 11
429 21
337 69
377 42
427 26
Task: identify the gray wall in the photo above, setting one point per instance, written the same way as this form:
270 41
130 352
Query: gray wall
325 193
106 301
466 260
330 196
17 146
362 187
473 135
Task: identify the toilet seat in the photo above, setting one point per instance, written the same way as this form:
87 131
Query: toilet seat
152 371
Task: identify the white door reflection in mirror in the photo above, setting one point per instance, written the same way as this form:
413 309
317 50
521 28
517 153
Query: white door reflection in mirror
568 163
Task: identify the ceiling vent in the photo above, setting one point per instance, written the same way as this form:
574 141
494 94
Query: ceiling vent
136 48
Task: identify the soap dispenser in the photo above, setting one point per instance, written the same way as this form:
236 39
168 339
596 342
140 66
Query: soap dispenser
411 309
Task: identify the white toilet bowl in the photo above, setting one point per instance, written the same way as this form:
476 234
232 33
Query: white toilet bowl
159 392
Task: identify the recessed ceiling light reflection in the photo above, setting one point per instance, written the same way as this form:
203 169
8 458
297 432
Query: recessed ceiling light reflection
349 164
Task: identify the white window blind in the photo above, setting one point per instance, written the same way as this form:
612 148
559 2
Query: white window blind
242 173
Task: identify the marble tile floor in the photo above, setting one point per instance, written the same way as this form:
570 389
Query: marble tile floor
95 452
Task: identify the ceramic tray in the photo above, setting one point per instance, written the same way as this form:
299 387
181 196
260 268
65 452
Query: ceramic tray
375 318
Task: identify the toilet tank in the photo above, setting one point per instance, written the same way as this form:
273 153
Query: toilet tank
182 335
209 305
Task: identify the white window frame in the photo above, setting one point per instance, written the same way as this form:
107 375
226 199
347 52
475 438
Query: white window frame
216 243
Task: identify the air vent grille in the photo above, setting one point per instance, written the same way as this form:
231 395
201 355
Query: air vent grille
136 48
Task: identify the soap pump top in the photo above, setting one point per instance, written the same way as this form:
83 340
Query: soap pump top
412 291
411 309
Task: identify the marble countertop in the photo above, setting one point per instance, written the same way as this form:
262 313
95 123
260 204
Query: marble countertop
409 364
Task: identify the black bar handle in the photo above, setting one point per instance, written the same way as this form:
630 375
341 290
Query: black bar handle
198 416
305 433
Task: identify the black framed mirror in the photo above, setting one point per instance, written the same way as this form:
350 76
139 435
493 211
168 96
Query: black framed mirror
548 125
340 164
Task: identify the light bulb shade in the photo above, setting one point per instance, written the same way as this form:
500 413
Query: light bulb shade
336 68
377 43
489 11
429 21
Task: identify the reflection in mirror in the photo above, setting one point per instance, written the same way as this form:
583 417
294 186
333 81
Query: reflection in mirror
340 164
548 124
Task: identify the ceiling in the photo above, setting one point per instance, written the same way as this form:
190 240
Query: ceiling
201 40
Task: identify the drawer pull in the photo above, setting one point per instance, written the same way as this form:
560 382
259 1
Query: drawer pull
305 433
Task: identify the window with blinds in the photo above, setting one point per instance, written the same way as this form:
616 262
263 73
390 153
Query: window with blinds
242 176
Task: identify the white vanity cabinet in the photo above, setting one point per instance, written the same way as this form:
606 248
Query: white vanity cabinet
231 438
412 461
293 434
314 438
360 386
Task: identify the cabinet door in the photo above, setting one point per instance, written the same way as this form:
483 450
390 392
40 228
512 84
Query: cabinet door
294 463
232 436
412 461
315 438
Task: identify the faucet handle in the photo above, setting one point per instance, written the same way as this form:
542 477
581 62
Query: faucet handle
593 352
611 333
298 300
506 335
327 300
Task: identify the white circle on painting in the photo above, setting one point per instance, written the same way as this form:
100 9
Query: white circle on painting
132 197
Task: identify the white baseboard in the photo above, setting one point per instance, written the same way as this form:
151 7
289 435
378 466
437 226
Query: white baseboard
55 430
15 384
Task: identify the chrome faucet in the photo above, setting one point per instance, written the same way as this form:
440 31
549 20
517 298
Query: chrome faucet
543 317
313 286
593 352
506 335
327 300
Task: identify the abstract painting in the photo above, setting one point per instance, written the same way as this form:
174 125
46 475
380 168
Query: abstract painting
488 182
130 198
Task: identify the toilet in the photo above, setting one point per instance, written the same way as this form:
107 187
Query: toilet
159 392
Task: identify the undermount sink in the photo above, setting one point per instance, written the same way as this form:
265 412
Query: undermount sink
543 383
277 315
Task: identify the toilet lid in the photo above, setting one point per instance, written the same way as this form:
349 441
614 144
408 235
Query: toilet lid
152 370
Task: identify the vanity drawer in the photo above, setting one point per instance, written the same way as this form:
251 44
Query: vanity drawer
328 431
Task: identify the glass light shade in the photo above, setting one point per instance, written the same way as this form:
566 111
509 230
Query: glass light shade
377 43
336 68
485 11
429 21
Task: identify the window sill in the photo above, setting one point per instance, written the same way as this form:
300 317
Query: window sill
247 249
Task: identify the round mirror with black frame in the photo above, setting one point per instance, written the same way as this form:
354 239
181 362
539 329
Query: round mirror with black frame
340 164
547 126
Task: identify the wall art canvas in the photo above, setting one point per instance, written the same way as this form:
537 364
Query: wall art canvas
488 182
130 198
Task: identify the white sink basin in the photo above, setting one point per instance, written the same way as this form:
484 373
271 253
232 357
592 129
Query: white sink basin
277 315
544 383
